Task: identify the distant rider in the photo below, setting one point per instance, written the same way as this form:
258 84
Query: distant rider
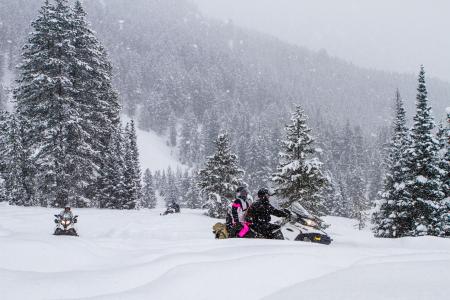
175 206
259 215
236 215
66 213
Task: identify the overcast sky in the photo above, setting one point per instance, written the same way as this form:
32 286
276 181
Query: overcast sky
396 35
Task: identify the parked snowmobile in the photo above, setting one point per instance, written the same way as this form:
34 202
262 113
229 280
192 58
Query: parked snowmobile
65 224
300 226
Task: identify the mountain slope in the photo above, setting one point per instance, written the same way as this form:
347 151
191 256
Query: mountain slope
165 51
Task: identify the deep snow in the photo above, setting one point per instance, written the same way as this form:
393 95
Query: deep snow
142 255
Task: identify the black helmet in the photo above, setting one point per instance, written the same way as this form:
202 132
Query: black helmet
66 208
263 192
241 192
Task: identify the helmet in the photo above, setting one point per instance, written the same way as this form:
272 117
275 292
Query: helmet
67 208
228 196
241 192
263 193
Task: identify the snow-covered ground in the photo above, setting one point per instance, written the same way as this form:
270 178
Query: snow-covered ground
142 255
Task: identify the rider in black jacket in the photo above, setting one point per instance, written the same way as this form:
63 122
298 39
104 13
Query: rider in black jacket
259 214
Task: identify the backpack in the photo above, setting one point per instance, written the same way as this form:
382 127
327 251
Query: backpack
220 231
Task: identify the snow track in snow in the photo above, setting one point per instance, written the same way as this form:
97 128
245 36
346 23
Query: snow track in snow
142 255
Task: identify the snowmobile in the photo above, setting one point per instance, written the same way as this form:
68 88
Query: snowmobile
300 226
171 209
65 225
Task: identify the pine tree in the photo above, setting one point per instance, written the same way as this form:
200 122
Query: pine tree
211 129
4 129
173 132
45 78
193 195
111 182
356 191
19 173
299 177
163 184
392 217
148 191
171 191
132 172
2 97
188 141
444 154
221 174
442 223
66 105
98 102
3 158
334 202
356 182
184 183
258 165
425 184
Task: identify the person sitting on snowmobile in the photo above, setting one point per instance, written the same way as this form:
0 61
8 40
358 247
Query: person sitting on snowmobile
259 215
236 214
175 206
65 221
66 213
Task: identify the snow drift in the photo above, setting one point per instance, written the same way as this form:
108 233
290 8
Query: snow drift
142 255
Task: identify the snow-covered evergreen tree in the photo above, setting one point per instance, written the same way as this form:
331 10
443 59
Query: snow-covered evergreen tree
19 174
148 191
4 128
44 99
221 174
392 217
173 134
356 180
171 189
258 163
66 104
132 171
184 182
334 202
210 131
425 183
442 224
193 195
444 153
299 177
188 141
110 182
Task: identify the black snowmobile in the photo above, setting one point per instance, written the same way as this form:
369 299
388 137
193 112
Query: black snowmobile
65 225
172 209
300 226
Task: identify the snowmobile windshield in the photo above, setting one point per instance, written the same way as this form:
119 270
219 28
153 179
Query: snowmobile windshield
67 216
298 209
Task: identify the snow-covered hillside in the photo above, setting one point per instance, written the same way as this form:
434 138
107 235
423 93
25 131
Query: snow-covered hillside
142 255
154 152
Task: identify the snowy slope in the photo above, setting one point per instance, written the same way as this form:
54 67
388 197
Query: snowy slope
142 255
6 80
154 153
